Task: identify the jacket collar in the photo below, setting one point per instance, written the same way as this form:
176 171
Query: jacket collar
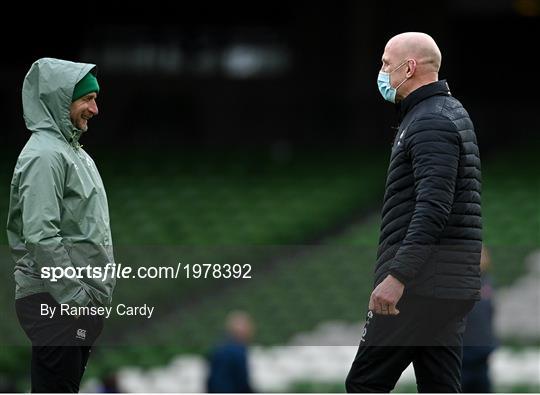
437 88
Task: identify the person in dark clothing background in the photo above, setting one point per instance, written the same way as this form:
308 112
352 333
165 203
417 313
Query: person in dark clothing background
479 339
228 362
427 275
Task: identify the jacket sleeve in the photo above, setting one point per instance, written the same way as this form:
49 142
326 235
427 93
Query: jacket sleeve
433 146
41 190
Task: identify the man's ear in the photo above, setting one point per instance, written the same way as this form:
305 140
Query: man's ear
411 67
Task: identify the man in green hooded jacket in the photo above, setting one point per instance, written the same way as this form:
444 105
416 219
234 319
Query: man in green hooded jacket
58 222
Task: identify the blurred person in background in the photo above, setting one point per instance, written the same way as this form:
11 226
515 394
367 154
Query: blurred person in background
427 275
58 218
479 339
228 361
109 384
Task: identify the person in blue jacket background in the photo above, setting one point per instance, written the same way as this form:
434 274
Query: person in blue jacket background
228 361
479 339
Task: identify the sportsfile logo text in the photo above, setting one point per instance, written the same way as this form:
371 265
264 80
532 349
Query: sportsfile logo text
110 270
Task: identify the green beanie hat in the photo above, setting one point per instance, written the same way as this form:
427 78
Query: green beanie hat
85 86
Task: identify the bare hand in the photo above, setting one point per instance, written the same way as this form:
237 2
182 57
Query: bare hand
386 295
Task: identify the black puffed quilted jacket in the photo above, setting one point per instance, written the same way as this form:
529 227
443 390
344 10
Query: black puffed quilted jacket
431 230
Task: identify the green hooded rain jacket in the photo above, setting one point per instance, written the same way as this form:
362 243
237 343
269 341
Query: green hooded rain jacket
58 214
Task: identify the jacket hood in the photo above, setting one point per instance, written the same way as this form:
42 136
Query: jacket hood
46 96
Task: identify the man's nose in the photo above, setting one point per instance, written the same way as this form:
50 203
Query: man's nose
93 108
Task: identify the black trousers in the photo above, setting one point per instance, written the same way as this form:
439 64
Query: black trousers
61 345
428 332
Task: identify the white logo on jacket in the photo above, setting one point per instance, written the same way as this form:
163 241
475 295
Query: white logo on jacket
401 137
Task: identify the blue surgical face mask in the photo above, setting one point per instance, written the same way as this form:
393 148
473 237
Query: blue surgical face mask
386 89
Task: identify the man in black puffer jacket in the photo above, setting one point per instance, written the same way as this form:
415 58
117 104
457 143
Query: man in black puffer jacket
427 276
